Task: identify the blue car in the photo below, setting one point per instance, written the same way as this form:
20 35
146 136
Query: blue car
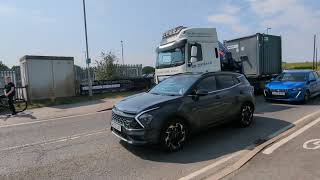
293 86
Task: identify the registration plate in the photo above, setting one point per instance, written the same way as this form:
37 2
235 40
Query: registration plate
116 126
278 93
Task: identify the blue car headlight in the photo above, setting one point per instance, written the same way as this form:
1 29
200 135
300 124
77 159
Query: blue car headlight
297 89
145 119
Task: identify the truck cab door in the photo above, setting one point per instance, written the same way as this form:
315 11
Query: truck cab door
206 58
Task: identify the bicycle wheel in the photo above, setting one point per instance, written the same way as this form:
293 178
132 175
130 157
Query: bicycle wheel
20 105
4 107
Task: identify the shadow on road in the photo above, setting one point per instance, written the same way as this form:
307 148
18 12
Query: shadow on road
6 115
214 143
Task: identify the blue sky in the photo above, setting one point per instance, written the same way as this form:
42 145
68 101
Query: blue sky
46 27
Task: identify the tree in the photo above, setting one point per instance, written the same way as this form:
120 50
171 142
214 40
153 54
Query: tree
15 68
148 70
105 67
3 67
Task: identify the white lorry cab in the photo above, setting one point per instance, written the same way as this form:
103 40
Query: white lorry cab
187 50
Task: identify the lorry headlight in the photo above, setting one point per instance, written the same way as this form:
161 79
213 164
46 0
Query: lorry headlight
145 119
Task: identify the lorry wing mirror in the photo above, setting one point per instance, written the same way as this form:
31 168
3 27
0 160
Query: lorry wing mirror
193 59
194 51
194 54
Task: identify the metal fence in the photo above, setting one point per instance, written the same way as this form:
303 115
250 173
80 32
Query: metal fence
4 74
121 71
128 70
116 85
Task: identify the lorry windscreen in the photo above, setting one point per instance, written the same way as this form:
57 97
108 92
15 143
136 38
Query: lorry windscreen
170 58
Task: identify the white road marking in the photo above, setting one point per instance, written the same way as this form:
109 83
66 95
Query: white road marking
49 120
275 146
271 136
58 140
211 166
312 144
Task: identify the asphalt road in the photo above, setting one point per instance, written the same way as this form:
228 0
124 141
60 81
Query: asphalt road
84 148
297 159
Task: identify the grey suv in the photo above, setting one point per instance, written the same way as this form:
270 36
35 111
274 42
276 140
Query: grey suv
181 105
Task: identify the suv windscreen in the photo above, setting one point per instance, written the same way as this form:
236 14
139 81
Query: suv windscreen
171 58
174 86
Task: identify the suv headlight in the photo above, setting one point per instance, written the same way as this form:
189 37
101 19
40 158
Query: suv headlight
145 119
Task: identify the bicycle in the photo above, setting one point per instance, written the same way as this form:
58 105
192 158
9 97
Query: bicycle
19 104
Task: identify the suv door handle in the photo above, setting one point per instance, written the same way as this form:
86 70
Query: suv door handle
218 97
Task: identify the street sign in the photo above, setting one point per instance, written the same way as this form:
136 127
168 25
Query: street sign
88 61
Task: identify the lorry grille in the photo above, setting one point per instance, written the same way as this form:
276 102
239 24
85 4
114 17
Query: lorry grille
127 122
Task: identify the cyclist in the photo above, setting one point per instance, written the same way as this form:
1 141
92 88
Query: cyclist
9 92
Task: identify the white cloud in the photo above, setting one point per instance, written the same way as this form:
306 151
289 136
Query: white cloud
231 9
223 19
229 16
270 7
294 20
231 20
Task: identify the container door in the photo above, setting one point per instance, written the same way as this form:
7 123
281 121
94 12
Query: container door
248 53
270 62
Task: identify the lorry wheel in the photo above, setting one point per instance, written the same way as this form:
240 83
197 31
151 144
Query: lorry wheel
174 135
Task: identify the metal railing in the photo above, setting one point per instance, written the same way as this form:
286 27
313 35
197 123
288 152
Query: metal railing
116 85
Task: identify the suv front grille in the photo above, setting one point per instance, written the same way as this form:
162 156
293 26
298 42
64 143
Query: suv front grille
127 122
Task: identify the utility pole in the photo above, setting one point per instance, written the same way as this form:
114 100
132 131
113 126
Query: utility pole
122 52
314 52
316 55
88 60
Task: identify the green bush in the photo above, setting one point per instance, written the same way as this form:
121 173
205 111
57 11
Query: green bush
302 67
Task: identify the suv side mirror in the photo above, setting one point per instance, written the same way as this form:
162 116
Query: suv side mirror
201 92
